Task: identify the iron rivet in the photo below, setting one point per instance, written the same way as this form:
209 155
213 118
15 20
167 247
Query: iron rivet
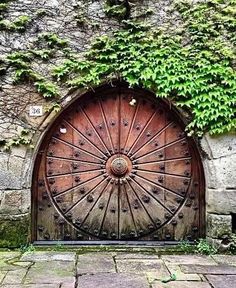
113 123
79 236
188 203
101 206
90 198
138 127
155 190
195 229
174 222
50 172
136 206
41 183
113 210
132 234
161 179
125 122
82 190
168 236
192 196
77 154
77 221
40 228
181 215
158 222
186 173
162 167
167 216
146 199
77 179
61 222
124 210
186 182
51 181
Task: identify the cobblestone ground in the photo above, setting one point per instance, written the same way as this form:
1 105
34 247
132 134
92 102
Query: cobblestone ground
115 270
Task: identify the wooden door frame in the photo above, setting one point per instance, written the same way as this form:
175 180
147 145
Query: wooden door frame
194 149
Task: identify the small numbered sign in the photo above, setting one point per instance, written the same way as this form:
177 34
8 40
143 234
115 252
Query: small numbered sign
36 111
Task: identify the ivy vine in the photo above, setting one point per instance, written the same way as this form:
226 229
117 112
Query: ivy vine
193 67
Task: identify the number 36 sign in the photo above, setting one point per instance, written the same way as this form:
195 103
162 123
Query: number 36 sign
35 111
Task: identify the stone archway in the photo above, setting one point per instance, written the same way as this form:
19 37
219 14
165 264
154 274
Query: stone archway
117 165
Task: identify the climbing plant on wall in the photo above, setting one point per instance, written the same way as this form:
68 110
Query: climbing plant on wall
192 65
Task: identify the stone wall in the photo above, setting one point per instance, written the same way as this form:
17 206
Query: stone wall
220 166
16 165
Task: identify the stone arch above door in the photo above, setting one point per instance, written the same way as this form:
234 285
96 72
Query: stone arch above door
117 165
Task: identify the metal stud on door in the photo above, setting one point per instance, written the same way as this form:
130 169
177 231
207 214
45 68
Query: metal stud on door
118 169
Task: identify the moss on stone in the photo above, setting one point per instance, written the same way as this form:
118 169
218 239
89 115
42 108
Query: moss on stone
14 232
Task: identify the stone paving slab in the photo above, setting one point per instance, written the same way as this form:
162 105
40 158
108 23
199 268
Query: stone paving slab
175 269
222 281
5 261
122 256
225 259
48 256
95 263
2 275
206 269
112 280
142 266
51 272
182 284
188 259
32 286
14 277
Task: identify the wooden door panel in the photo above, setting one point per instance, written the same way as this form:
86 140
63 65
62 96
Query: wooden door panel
118 166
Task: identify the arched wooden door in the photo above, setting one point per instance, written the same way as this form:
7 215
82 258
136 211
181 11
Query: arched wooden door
113 168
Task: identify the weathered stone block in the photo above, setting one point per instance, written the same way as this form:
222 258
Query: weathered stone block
15 202
220 173
221 201
112 280
11 171
218 225
95 263
222 281
219 146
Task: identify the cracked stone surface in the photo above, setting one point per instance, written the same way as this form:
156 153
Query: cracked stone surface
112 280
51 269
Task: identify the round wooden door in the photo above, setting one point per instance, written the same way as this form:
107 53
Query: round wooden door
117 165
